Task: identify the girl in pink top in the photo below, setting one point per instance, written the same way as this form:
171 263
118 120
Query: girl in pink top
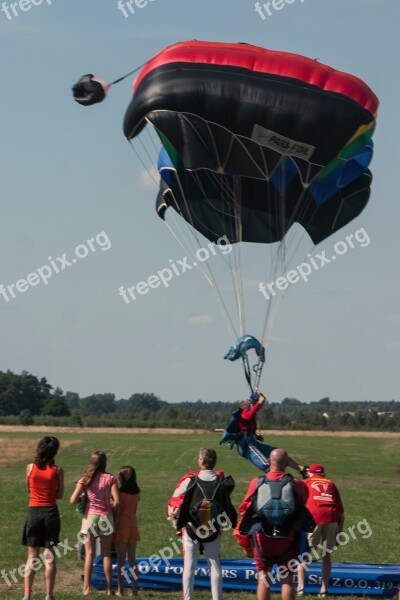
102 496
127 533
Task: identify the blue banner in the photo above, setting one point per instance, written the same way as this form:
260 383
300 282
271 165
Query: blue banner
240 574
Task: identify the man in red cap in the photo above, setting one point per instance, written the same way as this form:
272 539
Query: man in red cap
325 505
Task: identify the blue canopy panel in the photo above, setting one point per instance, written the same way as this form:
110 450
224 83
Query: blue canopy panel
245 343
240 574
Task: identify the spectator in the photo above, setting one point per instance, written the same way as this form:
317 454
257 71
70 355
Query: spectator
186 508
325 504
127 534
268 544
102 497
45 483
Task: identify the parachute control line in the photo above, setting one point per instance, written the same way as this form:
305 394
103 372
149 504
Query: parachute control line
91 89
245 343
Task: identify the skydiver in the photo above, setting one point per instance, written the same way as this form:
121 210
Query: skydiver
248 443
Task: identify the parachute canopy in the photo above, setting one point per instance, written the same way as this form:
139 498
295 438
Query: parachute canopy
252 142
245 343
258 137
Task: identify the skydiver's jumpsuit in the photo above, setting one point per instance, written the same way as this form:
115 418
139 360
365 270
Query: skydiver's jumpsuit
247 444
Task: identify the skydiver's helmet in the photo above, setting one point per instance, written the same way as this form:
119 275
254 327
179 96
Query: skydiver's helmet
254 396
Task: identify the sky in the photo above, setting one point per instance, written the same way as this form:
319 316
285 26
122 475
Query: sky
78 210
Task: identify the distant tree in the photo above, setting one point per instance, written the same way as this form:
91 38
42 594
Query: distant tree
18 392
76 419
25 417
324 405
144 402
72 399
98 404
56 406
291 402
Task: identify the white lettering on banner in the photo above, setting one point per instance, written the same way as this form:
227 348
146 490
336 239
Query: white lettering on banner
280 143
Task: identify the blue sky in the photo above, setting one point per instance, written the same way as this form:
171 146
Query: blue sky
68 175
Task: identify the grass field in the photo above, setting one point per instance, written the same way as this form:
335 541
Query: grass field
366 469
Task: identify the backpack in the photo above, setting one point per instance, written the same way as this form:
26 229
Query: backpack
204 503
274 509
275 503
205 506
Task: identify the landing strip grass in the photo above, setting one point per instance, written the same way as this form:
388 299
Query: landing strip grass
366 471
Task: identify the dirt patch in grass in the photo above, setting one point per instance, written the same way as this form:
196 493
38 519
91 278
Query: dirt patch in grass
14 450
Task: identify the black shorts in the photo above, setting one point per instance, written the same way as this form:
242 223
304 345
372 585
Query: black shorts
42 527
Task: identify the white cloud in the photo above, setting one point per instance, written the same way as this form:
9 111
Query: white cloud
148 179
201 320
394 318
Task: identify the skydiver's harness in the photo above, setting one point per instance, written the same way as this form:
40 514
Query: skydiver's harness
257 368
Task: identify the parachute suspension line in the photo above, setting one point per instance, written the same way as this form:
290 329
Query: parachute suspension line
281 260
301 233
149 156
247 371
226 193
153 139
338 211
149 171
257 369
297 213
229 195
212 282
187 250
239 273
209 278
278 262
194 235
273 300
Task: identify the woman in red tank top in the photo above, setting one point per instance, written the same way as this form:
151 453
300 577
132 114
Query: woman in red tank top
45 483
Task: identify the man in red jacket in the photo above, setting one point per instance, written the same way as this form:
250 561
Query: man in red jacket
325 505
267 550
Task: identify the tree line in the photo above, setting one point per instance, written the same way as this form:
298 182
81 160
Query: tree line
26 400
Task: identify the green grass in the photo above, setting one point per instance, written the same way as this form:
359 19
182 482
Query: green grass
366 471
